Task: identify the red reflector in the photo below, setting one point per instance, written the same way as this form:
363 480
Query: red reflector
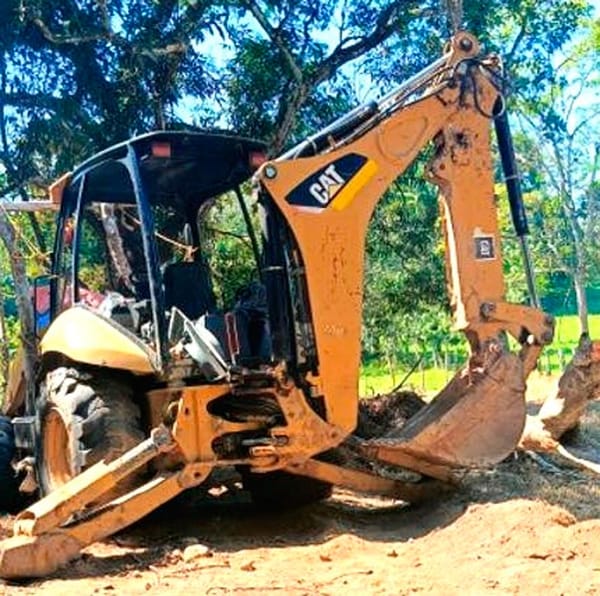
257 158
161 149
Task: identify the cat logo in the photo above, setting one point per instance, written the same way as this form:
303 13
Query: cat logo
335 184
327 186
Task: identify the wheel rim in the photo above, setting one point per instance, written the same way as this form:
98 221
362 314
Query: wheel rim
56 444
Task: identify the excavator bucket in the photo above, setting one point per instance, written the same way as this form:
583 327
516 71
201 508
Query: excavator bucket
475 421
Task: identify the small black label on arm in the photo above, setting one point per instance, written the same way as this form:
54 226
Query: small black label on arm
484 248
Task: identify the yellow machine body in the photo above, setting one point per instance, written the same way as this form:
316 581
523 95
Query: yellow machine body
327 200
83 336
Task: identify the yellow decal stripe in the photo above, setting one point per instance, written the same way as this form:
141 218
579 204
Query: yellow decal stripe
360 179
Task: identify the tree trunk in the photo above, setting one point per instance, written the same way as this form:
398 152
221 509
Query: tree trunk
578 385
23 296
4 357
582 306
561 411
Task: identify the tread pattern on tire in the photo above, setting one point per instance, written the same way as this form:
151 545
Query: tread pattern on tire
10 498
103 419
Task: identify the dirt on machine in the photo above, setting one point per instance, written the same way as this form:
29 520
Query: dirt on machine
151 376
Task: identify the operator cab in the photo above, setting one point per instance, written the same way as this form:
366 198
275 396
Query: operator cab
155 236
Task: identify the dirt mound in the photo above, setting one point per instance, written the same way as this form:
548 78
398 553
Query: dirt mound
519 546
378 416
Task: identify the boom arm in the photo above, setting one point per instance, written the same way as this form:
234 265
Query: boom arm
328 199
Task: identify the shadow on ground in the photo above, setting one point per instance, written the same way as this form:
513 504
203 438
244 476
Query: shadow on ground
230 523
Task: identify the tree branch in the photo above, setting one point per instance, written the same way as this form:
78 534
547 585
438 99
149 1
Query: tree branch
275 36
385 26
508 59
67 39
105 33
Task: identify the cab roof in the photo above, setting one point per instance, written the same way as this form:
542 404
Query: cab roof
178 169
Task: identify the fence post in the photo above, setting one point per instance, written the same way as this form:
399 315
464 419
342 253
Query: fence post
561 358
446 365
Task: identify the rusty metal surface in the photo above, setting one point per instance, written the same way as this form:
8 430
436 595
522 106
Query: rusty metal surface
332 239
73 496
35 556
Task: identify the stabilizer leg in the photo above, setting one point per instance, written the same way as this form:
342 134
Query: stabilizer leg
53 531
39 555
73 496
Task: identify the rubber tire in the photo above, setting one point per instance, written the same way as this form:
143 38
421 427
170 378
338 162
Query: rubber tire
281 490
100 416
10 497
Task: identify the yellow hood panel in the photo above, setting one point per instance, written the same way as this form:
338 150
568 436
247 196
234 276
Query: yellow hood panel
84 336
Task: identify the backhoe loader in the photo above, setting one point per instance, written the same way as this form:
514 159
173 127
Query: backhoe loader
148 381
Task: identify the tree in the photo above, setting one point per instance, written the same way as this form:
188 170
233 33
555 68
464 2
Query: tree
25 308
79 75
561 145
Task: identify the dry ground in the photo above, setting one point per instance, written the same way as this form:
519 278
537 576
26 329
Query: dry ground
529 527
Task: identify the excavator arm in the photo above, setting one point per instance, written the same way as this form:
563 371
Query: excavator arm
327 200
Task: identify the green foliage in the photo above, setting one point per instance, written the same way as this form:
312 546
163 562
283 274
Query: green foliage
82 75
405 273
79 76
226 244
559 154
12 334
433 373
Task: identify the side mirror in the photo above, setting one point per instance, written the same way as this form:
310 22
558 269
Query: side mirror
41 303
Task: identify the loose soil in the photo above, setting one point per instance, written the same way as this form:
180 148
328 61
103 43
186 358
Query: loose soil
530 526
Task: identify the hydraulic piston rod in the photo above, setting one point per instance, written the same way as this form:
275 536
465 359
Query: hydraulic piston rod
515 194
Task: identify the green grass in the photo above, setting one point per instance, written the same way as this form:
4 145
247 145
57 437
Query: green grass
375 378
566 332
427 380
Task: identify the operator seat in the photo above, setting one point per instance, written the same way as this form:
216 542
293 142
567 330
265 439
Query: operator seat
188 287
243 332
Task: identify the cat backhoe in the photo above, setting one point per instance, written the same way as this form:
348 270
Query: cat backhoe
151 376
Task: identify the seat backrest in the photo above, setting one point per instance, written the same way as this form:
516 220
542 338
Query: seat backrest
188 287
